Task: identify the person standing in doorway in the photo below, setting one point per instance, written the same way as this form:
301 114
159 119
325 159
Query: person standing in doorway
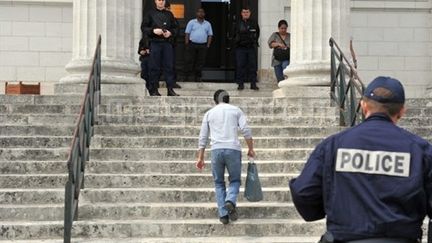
246 34
223 122
280 40
174 43
144 52
198 39
160 26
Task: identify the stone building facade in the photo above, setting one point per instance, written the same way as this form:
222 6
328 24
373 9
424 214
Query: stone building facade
390 37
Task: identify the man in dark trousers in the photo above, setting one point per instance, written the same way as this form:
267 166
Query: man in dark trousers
198 39
373 182
144 52
159 26
246 34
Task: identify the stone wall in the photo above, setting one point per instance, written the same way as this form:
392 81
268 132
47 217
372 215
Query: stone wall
35 41
394 38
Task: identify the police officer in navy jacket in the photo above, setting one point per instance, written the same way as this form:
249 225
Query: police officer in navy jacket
373 182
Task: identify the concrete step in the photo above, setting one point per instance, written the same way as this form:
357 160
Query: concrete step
37 119
239 239
163 154
131 167
247 92
38 109
35 141
33 154
23 196
161 228
191 180
37 130
125 211
169 109
191 119
166 142
264 130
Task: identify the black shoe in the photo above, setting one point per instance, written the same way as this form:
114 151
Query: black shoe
232 212
176 86
155 93
171 92
254 87
240 87
224 219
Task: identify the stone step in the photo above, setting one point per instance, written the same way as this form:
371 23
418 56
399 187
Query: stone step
163 154
161 228
191 119
37 119
213 86
23 196
239 239
37 130
38 109
35 141
188 130
33 154
247 92
175 142
141 154
126 211
131 167
199 110
132 180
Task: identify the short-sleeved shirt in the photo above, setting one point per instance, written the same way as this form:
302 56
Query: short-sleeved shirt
275 38
199 31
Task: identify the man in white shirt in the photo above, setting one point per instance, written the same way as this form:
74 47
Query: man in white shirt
223 122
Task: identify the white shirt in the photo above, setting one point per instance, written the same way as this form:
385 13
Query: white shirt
223 122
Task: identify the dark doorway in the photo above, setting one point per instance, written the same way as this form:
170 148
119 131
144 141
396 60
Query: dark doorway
222 14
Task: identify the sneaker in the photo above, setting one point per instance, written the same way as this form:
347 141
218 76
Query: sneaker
224 219
232 212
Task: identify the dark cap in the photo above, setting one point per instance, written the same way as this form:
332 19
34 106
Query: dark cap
393 85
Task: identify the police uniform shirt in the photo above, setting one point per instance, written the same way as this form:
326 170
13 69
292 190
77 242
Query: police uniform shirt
373 180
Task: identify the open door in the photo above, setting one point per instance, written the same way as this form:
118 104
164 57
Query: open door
222 14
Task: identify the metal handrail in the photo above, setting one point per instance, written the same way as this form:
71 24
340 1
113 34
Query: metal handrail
346 87
80 147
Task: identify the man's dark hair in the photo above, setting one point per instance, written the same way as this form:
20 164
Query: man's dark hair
246 8
391 109
221 96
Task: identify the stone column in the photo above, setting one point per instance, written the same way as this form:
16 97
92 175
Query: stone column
313 22
116 22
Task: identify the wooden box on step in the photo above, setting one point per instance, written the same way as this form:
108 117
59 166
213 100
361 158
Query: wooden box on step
20 88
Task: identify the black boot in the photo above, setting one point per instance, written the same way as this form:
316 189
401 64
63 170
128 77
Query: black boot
171 92
155 92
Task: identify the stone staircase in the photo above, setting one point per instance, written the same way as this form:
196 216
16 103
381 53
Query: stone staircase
141 183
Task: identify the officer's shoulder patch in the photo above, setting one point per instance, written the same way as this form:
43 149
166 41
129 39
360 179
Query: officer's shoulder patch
373 162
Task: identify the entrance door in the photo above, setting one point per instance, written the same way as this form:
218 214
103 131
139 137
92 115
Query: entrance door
222 14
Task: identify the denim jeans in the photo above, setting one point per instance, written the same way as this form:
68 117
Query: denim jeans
279 70
231 159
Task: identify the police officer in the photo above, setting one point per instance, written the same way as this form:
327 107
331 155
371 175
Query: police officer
160 26
372 182
246 34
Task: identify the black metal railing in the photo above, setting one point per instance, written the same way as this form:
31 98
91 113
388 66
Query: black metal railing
80 148
346 86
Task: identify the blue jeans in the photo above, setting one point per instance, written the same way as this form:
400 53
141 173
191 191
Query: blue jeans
231 159
279 70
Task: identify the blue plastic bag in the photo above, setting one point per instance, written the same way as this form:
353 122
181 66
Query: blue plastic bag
253 190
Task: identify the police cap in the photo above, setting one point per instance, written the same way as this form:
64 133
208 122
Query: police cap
391 84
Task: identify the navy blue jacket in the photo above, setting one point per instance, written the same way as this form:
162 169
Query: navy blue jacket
380 185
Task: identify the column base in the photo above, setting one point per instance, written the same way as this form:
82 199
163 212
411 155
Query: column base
310 74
